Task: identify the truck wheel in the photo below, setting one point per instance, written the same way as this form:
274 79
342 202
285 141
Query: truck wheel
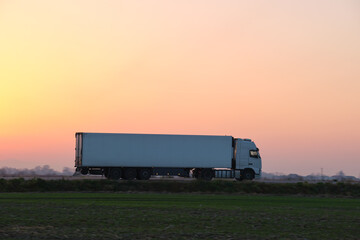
129 173
144 174
248 175
84 171
207 174
114 173
196 173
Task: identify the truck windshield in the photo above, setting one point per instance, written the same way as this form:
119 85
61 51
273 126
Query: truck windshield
254 153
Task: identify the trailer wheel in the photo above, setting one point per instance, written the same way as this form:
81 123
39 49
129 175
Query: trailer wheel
196 173
84 171
248 174
114 173
129 173
143 174
207 174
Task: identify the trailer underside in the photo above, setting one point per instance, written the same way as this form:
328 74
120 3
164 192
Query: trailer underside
144 173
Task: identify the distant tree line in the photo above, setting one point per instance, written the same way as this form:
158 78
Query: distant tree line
340 176
34 172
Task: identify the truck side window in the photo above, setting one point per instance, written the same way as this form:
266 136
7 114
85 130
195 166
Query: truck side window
254 154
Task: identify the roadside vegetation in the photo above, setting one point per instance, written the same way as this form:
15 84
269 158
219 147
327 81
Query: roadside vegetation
216 186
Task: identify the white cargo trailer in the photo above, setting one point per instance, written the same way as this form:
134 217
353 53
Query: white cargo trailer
130 156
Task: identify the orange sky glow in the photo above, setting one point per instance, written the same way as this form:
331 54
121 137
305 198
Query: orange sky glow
283 73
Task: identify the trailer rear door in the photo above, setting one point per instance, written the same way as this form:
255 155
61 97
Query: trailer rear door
78 149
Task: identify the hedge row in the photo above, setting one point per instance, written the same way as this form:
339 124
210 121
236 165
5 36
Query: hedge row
40 185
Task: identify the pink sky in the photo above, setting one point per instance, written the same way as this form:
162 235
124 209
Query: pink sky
283 73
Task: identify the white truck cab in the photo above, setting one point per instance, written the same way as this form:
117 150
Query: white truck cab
248 159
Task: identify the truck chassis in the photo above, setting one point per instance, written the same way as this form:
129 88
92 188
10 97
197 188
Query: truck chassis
144 173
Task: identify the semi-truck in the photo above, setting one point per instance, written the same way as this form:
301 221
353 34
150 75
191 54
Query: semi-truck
129 156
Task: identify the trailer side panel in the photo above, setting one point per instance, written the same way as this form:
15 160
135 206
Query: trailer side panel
156 150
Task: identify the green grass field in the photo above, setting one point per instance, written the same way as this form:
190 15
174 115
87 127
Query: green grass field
176 216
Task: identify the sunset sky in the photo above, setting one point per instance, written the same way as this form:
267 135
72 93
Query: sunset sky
284 73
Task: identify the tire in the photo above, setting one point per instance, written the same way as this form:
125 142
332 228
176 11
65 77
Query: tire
248 175
114 173
84 171
143 174
129 173
196 173
207 174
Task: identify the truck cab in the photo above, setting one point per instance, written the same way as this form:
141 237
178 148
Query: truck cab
248 159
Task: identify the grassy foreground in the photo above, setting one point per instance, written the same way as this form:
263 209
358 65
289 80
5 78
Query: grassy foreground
176 216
